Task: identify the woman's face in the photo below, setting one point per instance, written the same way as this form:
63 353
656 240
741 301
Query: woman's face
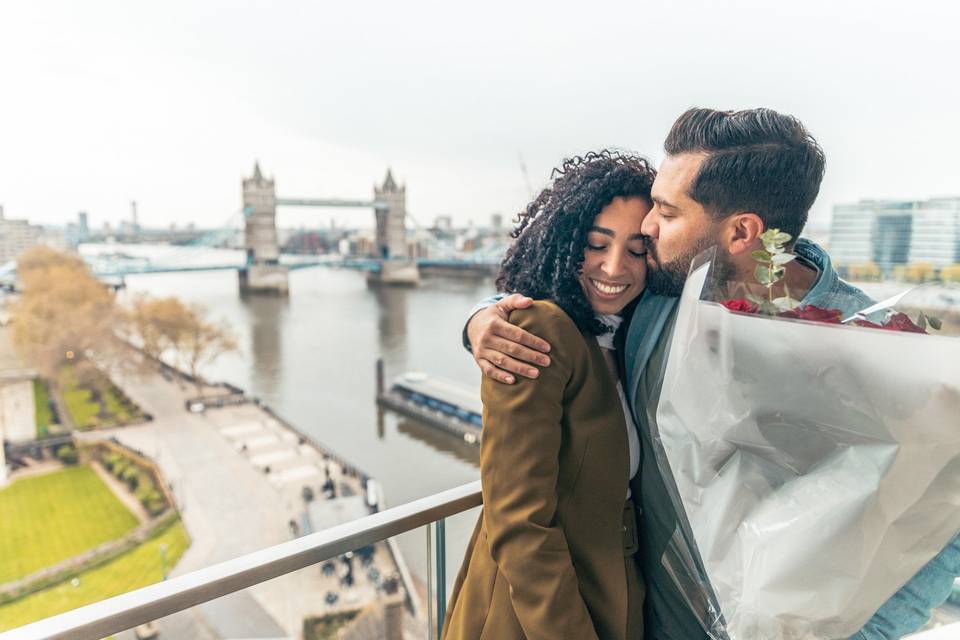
614 264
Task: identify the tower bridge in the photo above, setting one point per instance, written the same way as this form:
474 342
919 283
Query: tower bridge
263 272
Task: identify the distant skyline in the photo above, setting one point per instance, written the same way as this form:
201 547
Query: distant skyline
170 105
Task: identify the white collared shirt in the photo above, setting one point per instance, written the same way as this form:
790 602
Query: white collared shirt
633 440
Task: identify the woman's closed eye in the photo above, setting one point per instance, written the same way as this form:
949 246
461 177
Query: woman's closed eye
636 253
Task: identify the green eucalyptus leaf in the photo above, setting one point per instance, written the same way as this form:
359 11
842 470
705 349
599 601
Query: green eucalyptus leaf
763 275
755 299
935 323
761 256
783 258
786 303
768 308
782 237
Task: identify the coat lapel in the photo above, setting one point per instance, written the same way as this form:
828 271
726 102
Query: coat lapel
646 327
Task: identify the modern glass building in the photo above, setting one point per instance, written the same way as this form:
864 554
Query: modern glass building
890 233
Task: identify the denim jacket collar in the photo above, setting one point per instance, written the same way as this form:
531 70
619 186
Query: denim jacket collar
829 291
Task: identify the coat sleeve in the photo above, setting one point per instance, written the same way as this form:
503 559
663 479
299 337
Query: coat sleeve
519 467
910 607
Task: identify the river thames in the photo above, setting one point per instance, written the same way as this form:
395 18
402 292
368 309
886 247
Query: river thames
312 357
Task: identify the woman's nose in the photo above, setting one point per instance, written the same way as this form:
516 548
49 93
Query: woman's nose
613 265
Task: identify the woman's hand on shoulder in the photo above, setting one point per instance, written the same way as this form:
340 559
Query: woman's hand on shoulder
502 349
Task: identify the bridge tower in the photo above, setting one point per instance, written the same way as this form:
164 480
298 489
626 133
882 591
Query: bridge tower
263 272
397 267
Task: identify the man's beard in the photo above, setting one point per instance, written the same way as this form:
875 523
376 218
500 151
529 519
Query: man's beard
668 278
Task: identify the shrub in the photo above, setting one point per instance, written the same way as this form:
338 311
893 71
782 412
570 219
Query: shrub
119 466
144 487
111 460
67 454
130 475
154 503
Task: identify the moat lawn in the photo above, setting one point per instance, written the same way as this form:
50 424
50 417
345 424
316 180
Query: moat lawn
136 568
48 518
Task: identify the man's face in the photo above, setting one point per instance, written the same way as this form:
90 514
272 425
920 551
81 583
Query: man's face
677 228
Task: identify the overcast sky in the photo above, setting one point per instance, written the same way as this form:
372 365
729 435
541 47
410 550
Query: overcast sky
169 103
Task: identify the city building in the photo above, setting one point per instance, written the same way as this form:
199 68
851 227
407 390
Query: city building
83 225
16 236
17 407
889 233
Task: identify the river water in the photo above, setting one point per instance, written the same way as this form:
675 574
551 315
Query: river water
312 357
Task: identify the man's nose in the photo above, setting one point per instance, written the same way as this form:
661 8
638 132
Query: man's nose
649 226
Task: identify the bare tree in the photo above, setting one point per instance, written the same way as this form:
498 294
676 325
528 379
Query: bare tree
202 341
168 327
64 312
156 324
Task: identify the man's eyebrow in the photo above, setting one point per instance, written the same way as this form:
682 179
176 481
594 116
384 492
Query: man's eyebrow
663 203
612 234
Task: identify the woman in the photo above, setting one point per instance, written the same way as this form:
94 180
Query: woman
552 555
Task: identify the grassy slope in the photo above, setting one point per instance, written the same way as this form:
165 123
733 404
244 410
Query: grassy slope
48 518
88 412
137 568
83 409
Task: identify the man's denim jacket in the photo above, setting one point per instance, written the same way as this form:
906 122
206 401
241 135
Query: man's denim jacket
910 607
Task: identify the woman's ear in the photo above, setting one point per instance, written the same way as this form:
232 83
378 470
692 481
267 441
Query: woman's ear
739 233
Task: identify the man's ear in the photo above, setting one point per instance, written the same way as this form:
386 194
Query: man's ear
739 233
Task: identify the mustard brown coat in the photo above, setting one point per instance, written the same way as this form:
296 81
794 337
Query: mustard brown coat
546 559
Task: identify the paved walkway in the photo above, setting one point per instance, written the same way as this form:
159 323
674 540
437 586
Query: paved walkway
216 465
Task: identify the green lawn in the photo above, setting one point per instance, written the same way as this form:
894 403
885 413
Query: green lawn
82 407
136 568
48 518
41 399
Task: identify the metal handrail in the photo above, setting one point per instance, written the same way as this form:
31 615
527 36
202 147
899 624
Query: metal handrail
104 618
128 610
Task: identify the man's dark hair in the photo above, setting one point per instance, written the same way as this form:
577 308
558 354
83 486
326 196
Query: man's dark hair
551 233
757 160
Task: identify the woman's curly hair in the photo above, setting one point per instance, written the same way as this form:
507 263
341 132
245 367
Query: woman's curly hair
545 260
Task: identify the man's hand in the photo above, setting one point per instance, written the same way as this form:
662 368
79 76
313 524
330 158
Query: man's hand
502 349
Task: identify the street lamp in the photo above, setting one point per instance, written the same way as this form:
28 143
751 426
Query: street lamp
163 560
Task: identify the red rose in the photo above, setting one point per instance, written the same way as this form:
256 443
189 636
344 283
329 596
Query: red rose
897 322
902 322
814 314
741 306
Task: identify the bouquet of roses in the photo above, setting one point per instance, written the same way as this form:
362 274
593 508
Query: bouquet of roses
815 458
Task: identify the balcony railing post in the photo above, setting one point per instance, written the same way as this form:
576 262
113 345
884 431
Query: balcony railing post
430 635
441 528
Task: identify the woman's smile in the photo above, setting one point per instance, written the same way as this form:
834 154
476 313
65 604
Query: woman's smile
609 290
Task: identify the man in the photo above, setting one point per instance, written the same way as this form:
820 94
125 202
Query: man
727 177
